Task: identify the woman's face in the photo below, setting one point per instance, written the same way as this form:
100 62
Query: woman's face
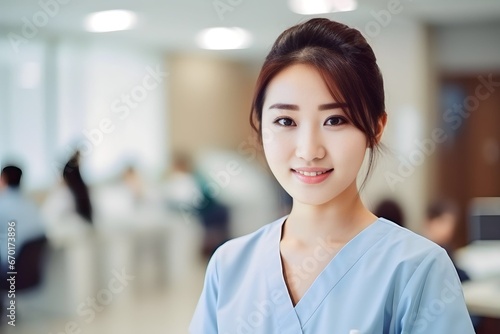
313 150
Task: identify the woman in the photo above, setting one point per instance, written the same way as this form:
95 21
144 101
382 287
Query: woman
78 188
330 266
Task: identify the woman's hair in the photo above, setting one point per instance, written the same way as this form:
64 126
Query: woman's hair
346 63
77 187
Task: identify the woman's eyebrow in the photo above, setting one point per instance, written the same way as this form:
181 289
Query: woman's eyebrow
284 106
328 106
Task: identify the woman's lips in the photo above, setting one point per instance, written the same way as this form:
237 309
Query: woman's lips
312 175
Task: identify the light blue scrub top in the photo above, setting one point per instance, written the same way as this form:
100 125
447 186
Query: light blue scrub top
387 279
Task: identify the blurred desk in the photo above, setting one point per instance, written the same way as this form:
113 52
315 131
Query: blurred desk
481 261
153 247
483 297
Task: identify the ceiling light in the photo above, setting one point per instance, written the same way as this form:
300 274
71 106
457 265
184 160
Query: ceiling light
110 20
311 7
223 38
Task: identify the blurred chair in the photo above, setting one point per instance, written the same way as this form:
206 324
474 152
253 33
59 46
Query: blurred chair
30 264
29 267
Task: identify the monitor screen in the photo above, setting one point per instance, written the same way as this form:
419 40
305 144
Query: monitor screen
485 227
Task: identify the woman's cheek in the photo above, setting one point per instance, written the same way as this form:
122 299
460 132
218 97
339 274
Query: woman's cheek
268 135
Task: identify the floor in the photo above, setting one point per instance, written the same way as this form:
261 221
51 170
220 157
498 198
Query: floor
139 308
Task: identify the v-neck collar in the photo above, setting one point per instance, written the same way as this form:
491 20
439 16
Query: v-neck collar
292 319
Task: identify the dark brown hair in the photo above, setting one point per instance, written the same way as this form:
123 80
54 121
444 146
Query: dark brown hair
12 176
439 207
391 210
77 187
346 63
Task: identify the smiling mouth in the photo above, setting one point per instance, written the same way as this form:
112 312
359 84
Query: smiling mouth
312 173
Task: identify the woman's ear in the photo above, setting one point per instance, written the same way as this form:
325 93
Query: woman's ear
382 121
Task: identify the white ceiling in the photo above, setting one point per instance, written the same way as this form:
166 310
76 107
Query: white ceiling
173 24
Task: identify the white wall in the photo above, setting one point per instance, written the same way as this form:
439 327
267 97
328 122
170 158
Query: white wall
111 104
55 95
23 124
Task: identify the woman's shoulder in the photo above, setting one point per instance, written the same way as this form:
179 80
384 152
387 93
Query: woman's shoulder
245 247
407 245
403 233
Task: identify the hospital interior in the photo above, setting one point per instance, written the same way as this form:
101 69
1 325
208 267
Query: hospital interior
150 111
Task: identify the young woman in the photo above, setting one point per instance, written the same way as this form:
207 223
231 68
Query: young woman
330 266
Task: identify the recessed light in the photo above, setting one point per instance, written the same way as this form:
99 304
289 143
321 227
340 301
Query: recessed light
222 38
312 7
110 20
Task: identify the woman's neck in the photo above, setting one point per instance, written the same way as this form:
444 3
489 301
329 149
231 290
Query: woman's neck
340 220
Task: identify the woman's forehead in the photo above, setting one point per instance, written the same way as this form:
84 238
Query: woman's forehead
299 81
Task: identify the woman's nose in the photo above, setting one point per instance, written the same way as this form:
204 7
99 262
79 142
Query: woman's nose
309 145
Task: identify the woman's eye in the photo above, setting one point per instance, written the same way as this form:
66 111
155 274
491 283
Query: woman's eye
332 121
284 122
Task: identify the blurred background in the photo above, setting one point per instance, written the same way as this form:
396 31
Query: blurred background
131 130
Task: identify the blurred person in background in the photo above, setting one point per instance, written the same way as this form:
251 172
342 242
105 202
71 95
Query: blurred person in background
79 190
140 193
214 217
440 226
126 199
134 184
68 208
391 210
17 208
188 192
181 191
